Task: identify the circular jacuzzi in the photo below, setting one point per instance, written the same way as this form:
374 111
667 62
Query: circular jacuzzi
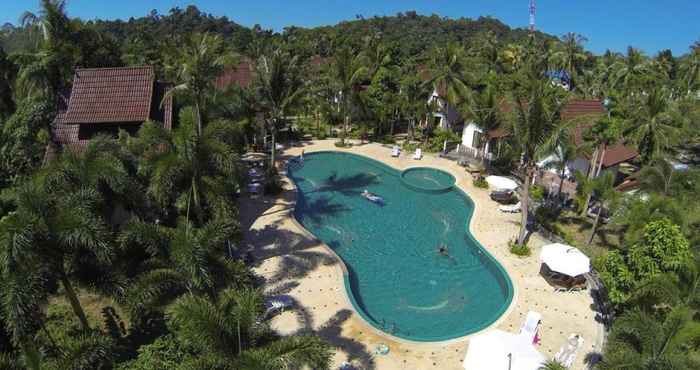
427 179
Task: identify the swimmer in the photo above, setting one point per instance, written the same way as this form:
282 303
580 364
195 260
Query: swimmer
443 250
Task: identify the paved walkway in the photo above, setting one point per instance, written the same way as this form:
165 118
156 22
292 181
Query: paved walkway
293 262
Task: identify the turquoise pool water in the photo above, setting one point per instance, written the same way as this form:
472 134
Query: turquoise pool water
397 278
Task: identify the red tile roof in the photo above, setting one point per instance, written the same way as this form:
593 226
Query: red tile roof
110 95
581 110
241 75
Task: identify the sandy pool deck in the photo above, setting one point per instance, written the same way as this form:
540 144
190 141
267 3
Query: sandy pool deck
295 263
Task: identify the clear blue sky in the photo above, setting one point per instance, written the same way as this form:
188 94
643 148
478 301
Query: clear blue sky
648 24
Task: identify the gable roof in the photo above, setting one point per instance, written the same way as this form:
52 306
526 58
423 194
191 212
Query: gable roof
580 109
241 75
110 95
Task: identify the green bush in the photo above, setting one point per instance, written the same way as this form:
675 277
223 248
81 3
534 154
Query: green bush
480 183
537 192
518 249
436 143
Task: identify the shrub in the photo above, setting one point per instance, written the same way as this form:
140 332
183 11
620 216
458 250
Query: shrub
342 144
537 192
521 250
480 183
437 141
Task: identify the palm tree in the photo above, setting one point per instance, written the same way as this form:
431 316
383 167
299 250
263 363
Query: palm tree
47 70
179 260
602 189
228 333
52 21
564 153
640 340
658 177
413 100
690 68
279 89
570 55
448 75
653 126
538 107
60 231
199 61
197 173
348 70
632 72
483 108
552 365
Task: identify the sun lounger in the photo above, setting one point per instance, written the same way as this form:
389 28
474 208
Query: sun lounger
419 154
395 152
510 208
254 188
567 354
277 304
529 328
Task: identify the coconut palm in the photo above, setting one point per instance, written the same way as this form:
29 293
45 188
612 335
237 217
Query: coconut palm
197 173
348 71
653 125
640 340
632 72
690 69
537 120
658 177
47 71
602 190
552 365
570 55
483 109
413 100
52 21
279 89
199 61
448 75
561 156
228 333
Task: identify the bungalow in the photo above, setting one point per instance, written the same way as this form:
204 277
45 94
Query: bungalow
485 144
106 100
240 75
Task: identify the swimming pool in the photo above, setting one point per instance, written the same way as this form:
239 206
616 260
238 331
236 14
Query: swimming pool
397 278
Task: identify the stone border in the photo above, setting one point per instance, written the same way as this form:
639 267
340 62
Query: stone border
290 213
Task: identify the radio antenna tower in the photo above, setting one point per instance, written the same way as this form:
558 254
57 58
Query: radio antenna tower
532 15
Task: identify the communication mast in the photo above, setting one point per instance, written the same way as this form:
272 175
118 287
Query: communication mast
532 15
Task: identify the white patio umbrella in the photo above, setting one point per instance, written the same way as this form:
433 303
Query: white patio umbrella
565 259
499 350
501 183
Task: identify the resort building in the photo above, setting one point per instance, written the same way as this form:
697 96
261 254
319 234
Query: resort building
485 144
107 100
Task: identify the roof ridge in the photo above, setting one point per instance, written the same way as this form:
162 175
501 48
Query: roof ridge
113 68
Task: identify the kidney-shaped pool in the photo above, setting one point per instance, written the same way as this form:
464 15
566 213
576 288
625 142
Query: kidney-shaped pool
414 269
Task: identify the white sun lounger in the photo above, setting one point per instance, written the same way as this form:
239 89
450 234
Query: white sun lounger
529 328
395 152
277 304
510 208
567 354
419 154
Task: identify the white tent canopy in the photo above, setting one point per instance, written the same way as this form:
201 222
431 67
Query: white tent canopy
499 350
501 183
565 259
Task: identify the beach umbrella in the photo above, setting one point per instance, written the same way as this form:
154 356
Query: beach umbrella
565 259
254 157
501 183
500 350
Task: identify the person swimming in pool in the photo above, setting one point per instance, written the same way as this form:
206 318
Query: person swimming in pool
443 250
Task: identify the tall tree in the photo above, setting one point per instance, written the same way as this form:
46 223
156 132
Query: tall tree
538 107
570 55
448 75
348 70
653 125
195 67
279 89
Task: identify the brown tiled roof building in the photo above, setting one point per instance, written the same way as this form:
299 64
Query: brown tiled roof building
241 75
105 100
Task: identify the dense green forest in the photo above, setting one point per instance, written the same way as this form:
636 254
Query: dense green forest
80 289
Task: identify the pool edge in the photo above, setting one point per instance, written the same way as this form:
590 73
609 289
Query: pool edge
346 281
